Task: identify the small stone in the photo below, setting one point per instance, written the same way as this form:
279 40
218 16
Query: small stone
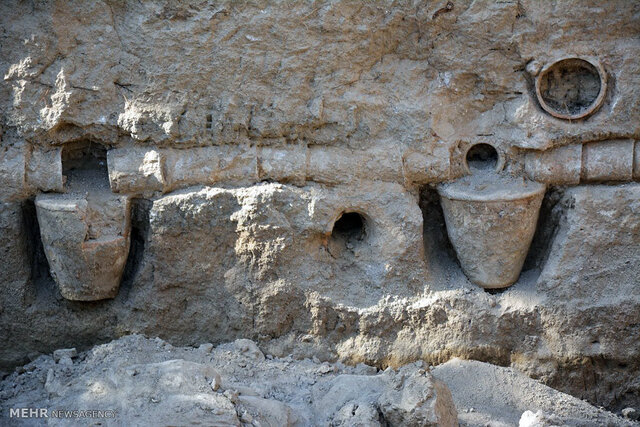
49 384
64 352
325 369
216 382
232 395
631 414
249 349
65 360
246 417
206 347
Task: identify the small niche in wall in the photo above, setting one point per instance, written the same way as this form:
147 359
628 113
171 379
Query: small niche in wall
571 88
84 165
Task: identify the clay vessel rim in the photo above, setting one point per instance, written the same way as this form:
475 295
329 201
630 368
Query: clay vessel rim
59 201
452 191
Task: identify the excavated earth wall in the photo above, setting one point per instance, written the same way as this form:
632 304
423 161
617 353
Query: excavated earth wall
270 170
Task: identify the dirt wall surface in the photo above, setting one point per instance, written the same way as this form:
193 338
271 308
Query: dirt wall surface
210 151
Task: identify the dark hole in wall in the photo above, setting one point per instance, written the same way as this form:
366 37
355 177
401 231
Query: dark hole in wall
140 209
350 227
482 157
551 213
85 163
40 272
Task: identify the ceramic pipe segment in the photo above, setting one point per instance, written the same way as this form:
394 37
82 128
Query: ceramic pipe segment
43 169
25 170
614 160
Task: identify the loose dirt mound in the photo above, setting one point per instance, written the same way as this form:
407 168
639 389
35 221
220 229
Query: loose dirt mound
150 382
144 381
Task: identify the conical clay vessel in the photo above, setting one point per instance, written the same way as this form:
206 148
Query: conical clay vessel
491 220
86 241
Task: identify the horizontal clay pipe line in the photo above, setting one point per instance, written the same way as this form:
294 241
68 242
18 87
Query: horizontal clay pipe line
602 161
146 169
141 170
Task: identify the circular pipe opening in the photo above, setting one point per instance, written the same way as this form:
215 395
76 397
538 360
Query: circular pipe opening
350 227
571 88
482 157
